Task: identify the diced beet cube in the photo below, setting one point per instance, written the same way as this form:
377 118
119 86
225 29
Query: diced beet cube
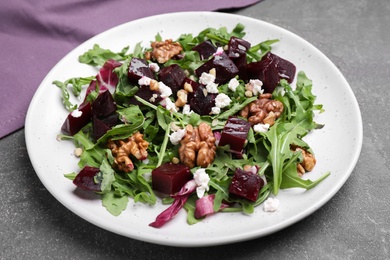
200 103
237 47
169 178
205 49
270 69
172 76
235 134
194 85
246 184
145 93
224 67
138 68
103 105
77 119
85 179
101 126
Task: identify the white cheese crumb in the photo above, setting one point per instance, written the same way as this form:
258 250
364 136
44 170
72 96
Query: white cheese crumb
176 136
218 52
215 110
165 91
271 205
168 104
76 113
255 85
202 181
206 78
154 67
222 100
212 88
187 110
144 81
261 128
233 84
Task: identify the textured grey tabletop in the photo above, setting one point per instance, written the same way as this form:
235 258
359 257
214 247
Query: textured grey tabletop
354 224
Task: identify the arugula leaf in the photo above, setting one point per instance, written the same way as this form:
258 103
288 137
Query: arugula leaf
113 203
296 121
76 84
97 56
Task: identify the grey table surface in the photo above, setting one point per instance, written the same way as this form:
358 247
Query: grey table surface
354 224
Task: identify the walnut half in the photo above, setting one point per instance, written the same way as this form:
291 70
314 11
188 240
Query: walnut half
164 51
308 162
197 146
263 110
122 149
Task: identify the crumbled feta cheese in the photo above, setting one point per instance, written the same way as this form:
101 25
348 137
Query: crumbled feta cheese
202 181
76 113
215 110
233 84
271 205
261 128
146 161
187 110
153 98
144 81
212 88
176 136
255 86
165 91
168 104
222 100
218 52
154 67
206 78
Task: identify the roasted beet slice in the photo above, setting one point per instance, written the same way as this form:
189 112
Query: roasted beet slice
169 178
193 85
85 179
77 119
172 76
237 47
224 67
138 68
235 134
201 103
145 93
270 69
205 49
101 126
246 184
103 105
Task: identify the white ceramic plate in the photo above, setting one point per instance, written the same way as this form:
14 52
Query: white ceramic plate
337 145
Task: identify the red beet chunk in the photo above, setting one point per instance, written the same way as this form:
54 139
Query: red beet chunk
235 133
194 85
172 76
85 179
101 126
270 69
103 105
138 68
145 93
77 119
200 103
246 184
224 67
205 49
237 47
169 178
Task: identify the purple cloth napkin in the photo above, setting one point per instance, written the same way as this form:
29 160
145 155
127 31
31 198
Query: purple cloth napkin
35 35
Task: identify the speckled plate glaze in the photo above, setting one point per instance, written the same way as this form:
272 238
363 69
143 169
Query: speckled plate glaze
337 145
